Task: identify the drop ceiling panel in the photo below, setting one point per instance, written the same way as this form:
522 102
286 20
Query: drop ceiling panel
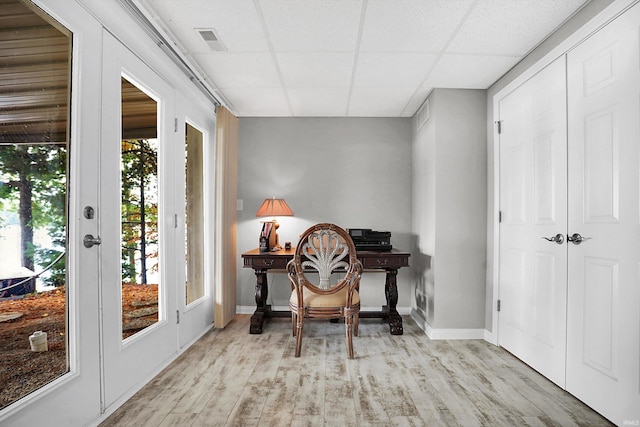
260 102
316 69
469 71
508 27
318 102
303 26
240 70
392 69
411 25
379 102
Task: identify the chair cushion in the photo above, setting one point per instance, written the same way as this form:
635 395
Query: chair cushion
311 299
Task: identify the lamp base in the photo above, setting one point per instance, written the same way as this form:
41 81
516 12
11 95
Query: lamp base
269 240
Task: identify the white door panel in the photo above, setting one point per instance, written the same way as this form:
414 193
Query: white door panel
195 303
532 320
128 363
74 398
603 351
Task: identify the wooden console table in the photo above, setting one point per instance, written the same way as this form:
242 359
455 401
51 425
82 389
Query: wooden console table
390 262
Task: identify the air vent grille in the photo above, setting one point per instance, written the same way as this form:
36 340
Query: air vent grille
423 115
211 38
208 35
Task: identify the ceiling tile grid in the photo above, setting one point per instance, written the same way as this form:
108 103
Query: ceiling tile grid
369 58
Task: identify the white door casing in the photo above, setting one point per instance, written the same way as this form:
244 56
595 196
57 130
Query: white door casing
603 351
532 320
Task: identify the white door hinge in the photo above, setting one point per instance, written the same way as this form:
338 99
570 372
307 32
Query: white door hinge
177 317
499 124
498 305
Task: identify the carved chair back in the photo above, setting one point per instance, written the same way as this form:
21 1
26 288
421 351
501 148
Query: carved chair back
324 251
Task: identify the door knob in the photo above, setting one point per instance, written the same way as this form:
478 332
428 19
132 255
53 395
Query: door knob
576 238
558 238
90 241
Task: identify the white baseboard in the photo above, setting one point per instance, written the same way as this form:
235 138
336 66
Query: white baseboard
245 309
250 309
447 333
490 337
432 333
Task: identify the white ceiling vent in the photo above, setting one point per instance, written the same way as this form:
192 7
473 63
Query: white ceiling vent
210 37
423 115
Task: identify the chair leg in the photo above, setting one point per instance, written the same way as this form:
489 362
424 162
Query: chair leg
298 334
293 323
356 322
349 327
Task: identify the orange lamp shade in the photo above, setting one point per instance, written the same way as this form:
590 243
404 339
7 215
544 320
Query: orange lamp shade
274 207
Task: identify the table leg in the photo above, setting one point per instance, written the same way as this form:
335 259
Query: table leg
391 294
262 309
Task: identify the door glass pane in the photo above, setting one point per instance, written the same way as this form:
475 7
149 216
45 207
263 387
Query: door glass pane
35 58
139 208
194 217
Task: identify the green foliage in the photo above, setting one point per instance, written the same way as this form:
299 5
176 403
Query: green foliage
34 189
42 169
139 170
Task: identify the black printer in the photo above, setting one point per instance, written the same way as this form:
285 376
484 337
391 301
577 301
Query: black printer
366 239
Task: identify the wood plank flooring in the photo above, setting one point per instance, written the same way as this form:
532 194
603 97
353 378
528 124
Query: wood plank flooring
232 378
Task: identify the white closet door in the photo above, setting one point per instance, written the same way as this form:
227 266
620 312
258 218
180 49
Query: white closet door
603 349
533 186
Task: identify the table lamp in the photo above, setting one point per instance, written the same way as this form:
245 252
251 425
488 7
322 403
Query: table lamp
268 236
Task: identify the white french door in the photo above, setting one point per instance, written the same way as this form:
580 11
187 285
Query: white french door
74 398
533 193
137 224
194 164
603 351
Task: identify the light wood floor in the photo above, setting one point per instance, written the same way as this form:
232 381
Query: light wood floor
231 378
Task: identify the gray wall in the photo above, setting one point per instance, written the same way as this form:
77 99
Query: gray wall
449 210
355 172
577 21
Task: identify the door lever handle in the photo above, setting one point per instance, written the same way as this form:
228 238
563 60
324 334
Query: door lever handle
576 238
558 238
90 241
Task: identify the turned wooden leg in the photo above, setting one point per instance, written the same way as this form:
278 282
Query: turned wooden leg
262 310
349 328
294 322
356 322
391 294
298 334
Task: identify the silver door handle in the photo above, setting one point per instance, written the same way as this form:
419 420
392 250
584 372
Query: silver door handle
90 241
558 238
576 238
